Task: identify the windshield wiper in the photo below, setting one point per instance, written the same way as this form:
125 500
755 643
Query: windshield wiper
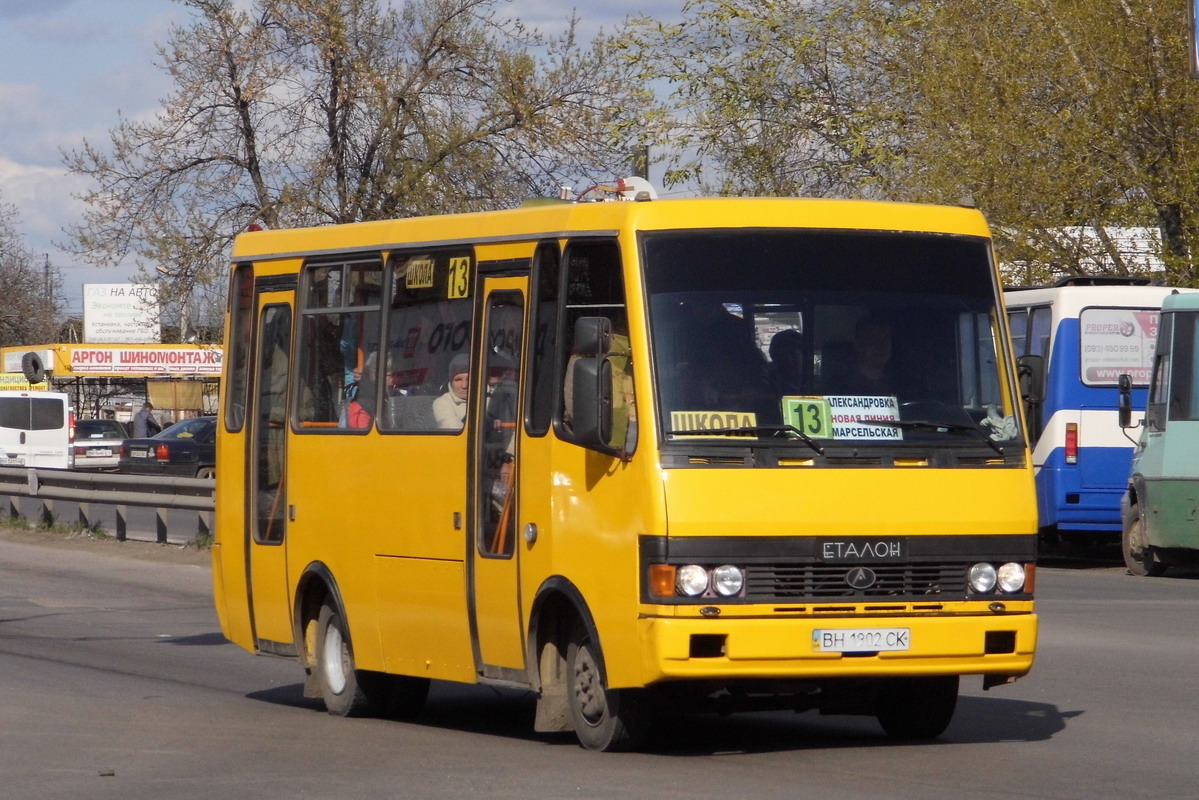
929 425
752 430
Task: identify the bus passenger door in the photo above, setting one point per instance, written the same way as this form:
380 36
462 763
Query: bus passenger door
266 492
495 459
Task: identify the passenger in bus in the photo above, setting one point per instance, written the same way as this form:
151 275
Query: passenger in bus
721 367
361 409
871 372
450 408
786 362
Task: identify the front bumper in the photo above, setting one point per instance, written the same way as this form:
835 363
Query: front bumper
778 647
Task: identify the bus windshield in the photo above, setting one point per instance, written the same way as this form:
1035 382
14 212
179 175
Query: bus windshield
827 338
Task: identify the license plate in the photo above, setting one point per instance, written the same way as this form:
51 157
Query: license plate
99 452
11 461
139 453
861 640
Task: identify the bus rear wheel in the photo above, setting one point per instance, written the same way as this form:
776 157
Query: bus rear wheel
604 719
335 672
352 692
1138 556
917 708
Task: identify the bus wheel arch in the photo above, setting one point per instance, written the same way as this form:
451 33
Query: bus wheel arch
567 666
322 628
316 584
557 610
1134 544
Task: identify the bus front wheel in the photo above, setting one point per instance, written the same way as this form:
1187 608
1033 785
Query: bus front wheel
1138 557
604 719
917 708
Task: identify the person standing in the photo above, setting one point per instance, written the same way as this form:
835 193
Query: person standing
144 423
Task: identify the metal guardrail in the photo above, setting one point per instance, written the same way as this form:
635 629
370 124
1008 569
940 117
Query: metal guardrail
24 487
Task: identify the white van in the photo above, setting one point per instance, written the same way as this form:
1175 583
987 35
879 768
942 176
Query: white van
36 429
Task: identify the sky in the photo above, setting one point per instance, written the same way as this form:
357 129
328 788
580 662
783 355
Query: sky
68 68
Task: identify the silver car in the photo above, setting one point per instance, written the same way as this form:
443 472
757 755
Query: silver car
98 443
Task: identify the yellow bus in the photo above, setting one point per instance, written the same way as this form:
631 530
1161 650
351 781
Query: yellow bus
632 455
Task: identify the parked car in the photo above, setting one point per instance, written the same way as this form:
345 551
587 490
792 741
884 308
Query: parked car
98 443
185 449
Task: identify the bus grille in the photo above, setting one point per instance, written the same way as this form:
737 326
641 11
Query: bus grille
791 582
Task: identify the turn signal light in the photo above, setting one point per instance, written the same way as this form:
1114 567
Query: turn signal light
661 580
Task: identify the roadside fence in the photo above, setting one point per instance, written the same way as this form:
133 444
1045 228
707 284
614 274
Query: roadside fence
184 503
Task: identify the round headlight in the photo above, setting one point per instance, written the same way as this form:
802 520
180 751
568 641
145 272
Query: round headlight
982 578
727 580
1011 577
691 580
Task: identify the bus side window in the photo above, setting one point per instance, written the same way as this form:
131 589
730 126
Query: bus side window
1040 326
1018 327
339 329
595 288
428 342
1159 385
543 387
241 311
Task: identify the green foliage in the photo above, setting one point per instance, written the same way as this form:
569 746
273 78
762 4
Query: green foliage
1060 119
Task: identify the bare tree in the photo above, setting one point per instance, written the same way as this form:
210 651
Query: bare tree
308 112
30 288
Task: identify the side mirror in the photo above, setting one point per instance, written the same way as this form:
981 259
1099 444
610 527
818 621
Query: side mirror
591 407
1124 404
1031 372
593 336
591 379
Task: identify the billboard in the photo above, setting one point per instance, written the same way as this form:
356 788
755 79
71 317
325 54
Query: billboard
167 361
121 313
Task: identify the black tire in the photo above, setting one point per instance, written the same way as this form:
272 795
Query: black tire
607 720
351 692
917 708
1134 542
32 367
343 693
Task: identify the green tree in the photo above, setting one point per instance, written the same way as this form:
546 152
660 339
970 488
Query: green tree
1061 120
30 288
772 97
308 112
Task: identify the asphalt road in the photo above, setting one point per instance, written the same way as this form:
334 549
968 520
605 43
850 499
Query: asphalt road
116 683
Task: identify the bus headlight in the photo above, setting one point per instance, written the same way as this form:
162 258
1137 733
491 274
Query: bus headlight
727 580
982 578
691 580
1011 577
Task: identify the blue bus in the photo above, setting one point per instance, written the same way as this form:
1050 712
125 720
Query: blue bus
1073 340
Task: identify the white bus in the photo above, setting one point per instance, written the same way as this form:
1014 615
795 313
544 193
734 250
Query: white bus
1074 340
